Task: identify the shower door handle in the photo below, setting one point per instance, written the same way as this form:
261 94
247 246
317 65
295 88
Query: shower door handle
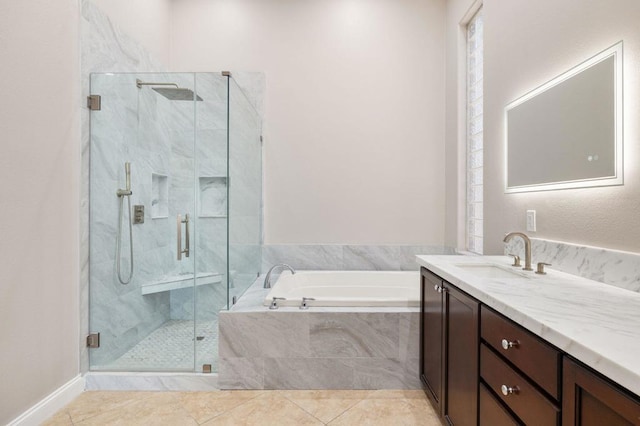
180 221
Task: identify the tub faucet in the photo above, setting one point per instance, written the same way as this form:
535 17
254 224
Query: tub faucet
527 248
267 279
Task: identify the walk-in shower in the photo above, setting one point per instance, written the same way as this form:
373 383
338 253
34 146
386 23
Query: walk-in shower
191 146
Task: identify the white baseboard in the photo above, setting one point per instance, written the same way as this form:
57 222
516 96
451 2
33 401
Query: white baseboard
51 404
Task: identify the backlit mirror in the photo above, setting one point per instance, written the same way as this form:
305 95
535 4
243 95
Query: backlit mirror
567 133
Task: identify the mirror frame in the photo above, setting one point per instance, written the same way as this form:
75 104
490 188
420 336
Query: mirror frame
617 179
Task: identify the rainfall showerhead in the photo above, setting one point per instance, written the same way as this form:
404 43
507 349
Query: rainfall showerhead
175 93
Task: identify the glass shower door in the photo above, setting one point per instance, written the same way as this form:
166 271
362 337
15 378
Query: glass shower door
147 121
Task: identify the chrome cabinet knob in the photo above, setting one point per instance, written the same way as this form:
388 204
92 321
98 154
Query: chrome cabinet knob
506 344
508 390
440 288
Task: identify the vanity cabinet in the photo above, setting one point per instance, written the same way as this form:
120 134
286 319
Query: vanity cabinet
522 370
479 367
590 400
449 335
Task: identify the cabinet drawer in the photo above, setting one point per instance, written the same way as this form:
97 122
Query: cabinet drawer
534 357
492 412
531 406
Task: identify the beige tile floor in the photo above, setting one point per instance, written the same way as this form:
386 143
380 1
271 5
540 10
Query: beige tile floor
336 407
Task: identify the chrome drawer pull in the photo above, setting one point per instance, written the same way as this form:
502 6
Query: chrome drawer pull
506 344
507 390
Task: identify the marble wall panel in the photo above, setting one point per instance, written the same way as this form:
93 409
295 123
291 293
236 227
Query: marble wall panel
241 373
308 373
347 257
376 373
348 335
388 257
613 267
313 257
273 335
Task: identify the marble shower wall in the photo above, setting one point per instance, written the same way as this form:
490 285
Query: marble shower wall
613 267
104 48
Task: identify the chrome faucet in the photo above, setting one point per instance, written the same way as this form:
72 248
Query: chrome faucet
527 248
267 279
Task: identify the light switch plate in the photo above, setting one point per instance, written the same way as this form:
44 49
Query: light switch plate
531 220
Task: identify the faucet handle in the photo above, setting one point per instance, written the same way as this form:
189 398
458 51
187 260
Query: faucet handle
274 302
541 266
516 259
304 304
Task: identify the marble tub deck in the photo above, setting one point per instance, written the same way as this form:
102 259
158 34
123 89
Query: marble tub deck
249 408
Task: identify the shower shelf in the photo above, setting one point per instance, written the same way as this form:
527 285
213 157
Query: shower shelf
176 282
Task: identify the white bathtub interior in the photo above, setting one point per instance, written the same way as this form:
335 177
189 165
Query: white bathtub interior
347 288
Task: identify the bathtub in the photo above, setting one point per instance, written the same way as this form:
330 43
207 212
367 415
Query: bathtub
348 288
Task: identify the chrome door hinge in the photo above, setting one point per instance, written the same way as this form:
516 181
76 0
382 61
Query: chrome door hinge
94 102
261 139
93 340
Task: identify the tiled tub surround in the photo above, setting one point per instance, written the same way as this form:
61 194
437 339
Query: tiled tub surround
597 324
348 257
320 348
613 267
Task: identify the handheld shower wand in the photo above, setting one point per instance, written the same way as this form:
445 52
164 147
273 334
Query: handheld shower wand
127 173
121 193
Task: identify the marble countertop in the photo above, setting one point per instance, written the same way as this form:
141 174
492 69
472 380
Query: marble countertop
596 323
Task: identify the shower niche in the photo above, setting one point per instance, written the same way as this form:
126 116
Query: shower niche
212 192
186 135
159 196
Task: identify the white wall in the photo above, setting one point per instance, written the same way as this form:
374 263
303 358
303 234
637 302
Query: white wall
147 21
526 44
39 169
354 149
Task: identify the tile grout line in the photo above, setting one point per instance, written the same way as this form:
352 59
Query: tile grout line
335 417
227 411
303 409
128 402
345 411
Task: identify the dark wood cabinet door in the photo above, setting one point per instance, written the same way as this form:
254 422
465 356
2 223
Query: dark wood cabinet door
589 400
462 331
431 337
492 412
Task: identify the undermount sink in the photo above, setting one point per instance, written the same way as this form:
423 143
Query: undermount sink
485 270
